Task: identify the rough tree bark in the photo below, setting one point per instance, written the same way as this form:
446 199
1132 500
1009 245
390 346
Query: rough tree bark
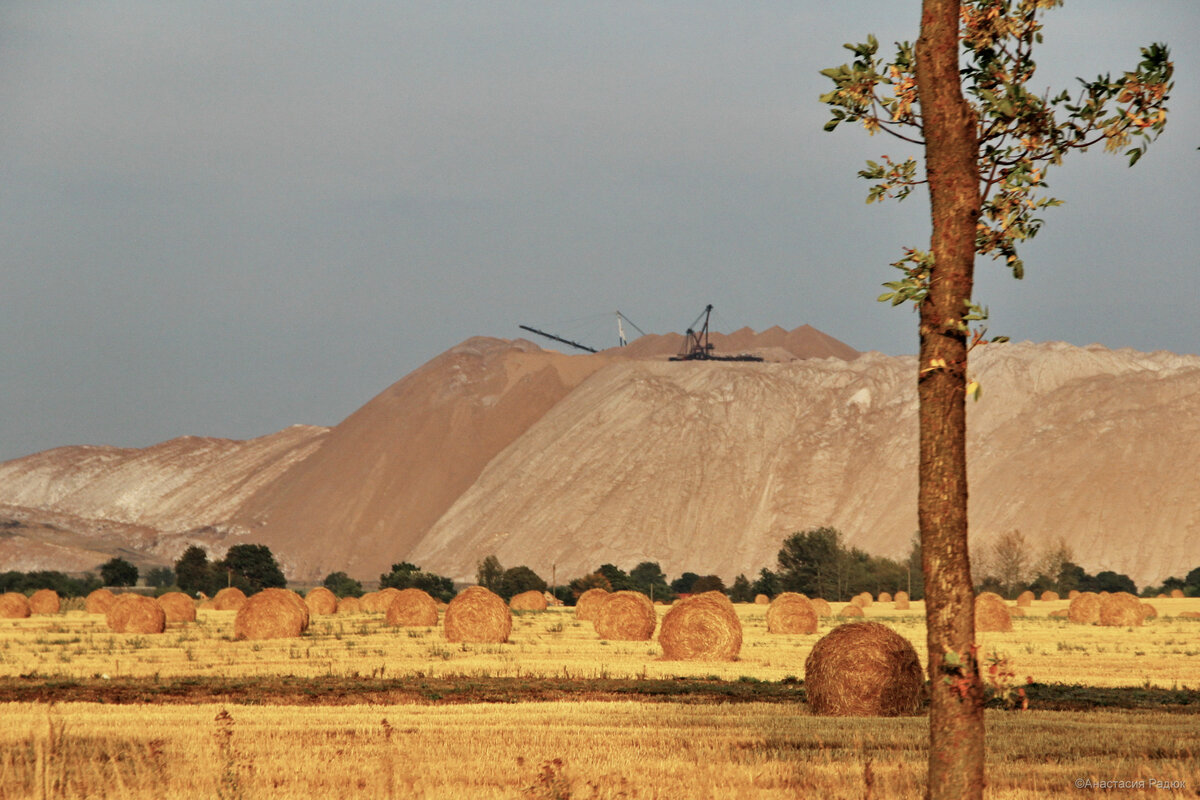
956 753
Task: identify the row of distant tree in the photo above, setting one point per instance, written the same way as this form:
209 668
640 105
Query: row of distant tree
815 562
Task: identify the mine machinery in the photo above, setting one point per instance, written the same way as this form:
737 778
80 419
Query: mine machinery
621 341
697 347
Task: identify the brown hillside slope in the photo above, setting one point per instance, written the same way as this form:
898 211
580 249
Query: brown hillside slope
393 467
706 467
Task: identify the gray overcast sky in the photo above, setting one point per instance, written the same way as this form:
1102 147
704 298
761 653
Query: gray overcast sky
222 218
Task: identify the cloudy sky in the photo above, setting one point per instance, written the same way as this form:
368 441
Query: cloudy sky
222 218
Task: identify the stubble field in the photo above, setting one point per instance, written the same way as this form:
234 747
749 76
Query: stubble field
283 718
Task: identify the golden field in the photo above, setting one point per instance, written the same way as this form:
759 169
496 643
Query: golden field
577 749
1165 652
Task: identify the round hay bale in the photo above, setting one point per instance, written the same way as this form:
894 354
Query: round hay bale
271 614
821 606
533 600
761 600
901 601
14 605
992 614
1120 610
703 627
205 605
1160 596
98 601
134 613
625 617
1049 596
379 602
1190 614
851 610
589 603
230 598
477 614
413 608
863 669
1071 595
885 597
1084 608
867 600
1025 599
1148 612
349 605
44 601
320 602
1061 612
178 607
791 612
1176 593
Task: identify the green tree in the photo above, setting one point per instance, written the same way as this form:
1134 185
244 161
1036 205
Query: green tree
342 585
810 562
683 584
741 591
251 568
648 578
160 577
193 572
767 583
520 579
988 141
409 576
118 572
708 583
618 580
914 579
593 580
488 573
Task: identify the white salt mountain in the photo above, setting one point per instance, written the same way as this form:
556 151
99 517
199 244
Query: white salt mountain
564 462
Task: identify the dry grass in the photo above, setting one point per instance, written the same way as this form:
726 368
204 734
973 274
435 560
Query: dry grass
1162 652
586 750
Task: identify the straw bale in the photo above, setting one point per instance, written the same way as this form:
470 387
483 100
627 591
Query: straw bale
1120 610
477 614
533 600
230 598
625 617
991 613
884 597
44 601
851 610
98 601
1176 593
703 627
761 600
821 606
1049 596
14 605
1071 595
178 607
1190 614
867 600
588 604
1160 596
379 602
1148 612
1061 612
791 612
1084 608
1016 611
863 669
901 601
1025 598
413 608
134 613
320 602
271 614
349 605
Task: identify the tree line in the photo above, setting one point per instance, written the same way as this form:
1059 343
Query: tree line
816 562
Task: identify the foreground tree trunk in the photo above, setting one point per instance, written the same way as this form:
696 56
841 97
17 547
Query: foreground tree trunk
956 735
